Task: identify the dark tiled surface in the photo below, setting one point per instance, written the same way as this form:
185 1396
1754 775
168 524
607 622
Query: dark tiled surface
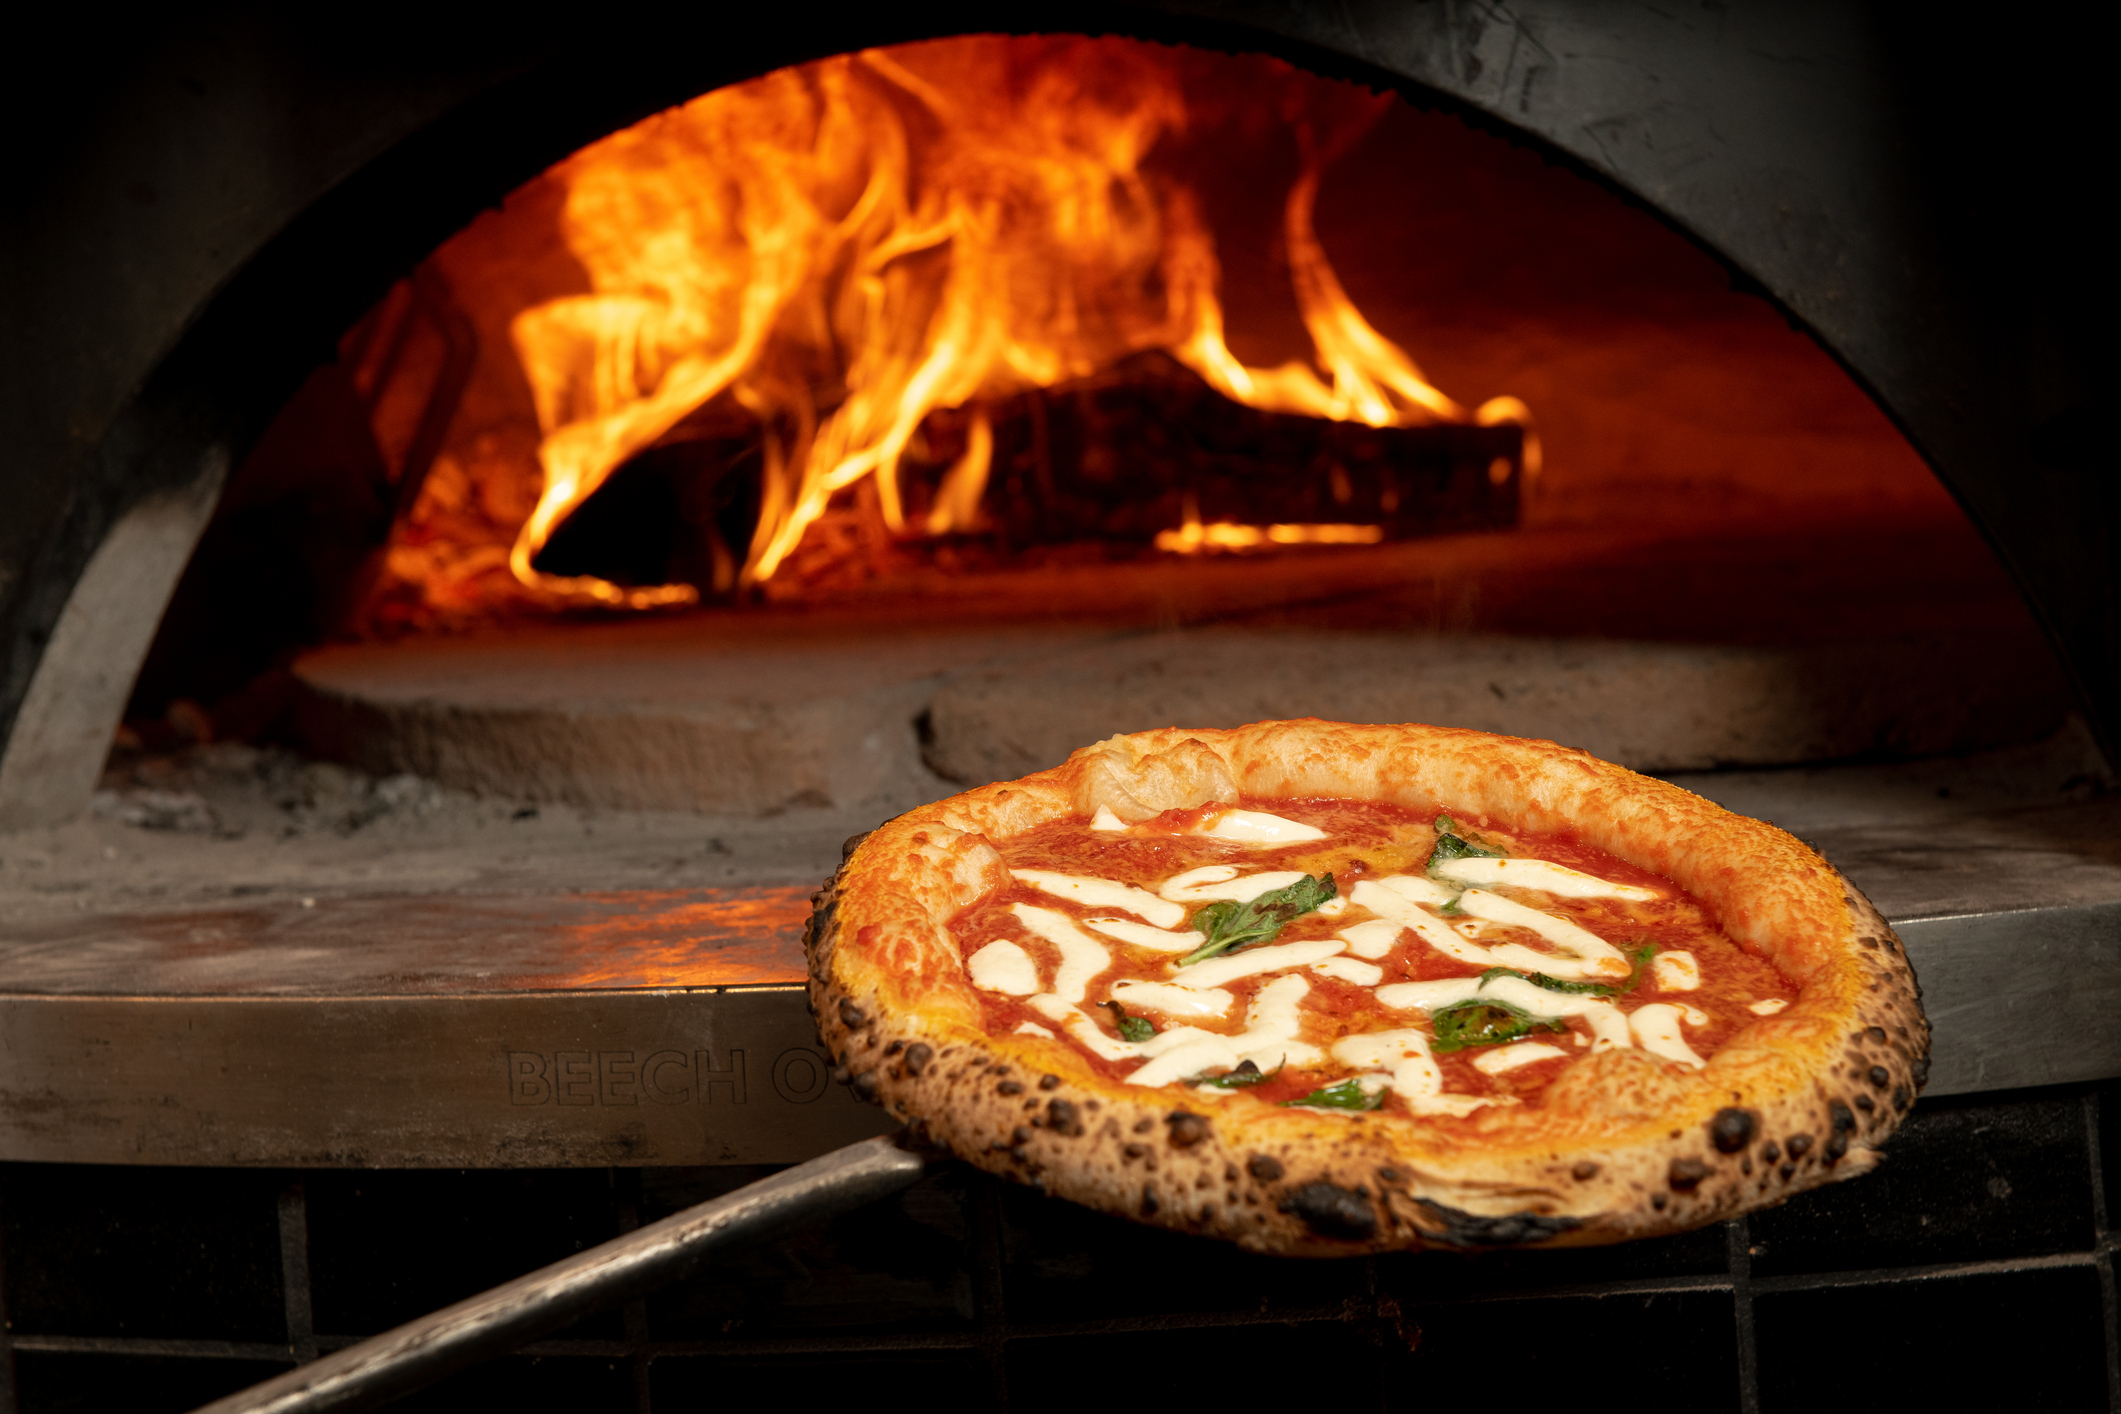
528 1384
1684 1340
1431 1276
901 1266
141 1252
918 1379
2022 1340
386 1246
1229 1368
1974 1265
1067 1264
81 1384
1972 1180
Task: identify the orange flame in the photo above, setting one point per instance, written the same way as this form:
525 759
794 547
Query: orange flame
843 248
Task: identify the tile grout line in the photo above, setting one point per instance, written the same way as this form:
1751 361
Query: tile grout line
988 1297
297 1300
2109 1304
7 1340
1738 1244
634 1314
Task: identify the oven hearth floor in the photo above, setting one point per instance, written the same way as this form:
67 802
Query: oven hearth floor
245 958
1661 653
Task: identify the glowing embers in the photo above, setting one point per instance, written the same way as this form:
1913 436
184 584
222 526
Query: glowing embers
843 253
1194 538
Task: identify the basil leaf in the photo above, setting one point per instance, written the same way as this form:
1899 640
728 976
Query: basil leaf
1131 1028
1640 958
1452 845
1245 1074
1551 984
1347 1095
1484 1023
1576 989
1230 925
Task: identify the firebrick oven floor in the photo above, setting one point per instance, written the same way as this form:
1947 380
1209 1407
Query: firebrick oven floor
1659 651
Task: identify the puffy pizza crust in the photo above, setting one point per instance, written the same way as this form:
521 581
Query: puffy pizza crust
1624 1145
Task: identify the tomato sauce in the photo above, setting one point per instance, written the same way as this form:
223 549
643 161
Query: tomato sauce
1367 840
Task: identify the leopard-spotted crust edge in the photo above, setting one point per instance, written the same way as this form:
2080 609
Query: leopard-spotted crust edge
1624 1146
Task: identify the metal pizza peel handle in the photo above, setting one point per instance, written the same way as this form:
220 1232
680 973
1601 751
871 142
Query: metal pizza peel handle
495 1322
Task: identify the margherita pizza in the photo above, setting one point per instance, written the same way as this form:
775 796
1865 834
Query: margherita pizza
1324 989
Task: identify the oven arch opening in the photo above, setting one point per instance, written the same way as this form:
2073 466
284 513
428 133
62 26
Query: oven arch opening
230 371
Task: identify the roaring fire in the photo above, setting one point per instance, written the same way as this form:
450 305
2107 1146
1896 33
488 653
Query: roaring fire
841 249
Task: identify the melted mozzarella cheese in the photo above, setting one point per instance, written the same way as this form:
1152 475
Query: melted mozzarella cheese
1271 1024
1506 1058
1268 1040
1277 957
1103 893
1588 954
1767 1006
1214 882
1258 827
1332 907
1675 971
1082 956
1105 820
1416 1079
1143 936
1184 1062
1347 969
1397 899
1416 889
1171 1000
1609 1026
1002 966
1372 939
1092 1038
1656 1029
1032 1028
1393 905
1537 874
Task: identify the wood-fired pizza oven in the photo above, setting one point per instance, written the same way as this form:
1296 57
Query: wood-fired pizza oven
1710 387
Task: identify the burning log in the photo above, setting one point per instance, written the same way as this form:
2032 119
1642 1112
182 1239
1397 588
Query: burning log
1131 456
1144 459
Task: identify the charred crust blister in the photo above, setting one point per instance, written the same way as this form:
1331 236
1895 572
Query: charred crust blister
1062 1118
1460 1228
1264 1167
1685 1175
1187 1128
1731 1130
1330 1211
